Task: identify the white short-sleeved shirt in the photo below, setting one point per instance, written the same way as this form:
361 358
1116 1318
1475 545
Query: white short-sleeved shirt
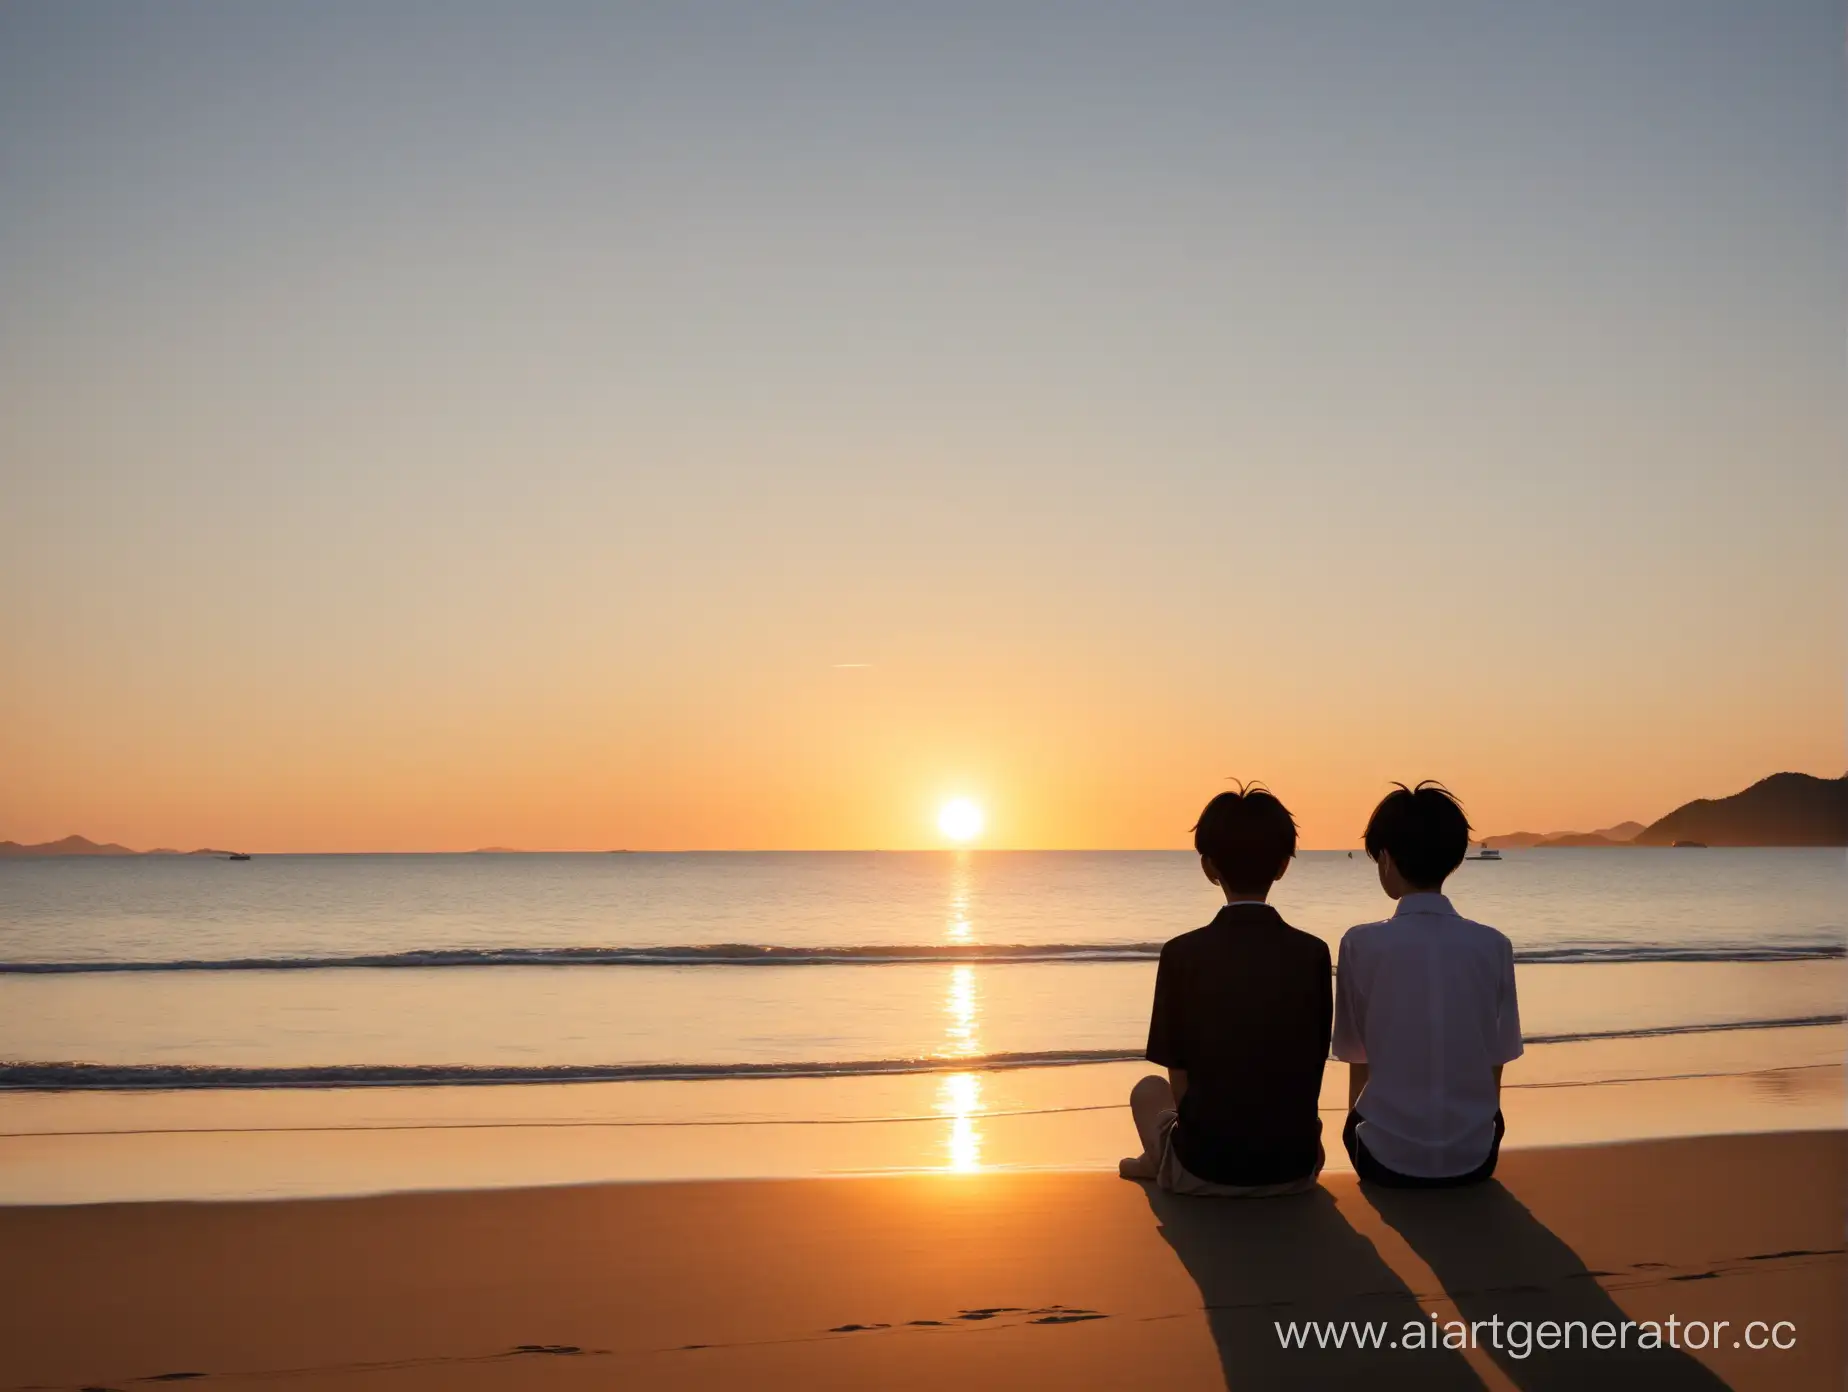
1426 1000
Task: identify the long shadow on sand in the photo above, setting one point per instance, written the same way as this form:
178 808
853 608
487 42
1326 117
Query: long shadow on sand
1262 1262
1494 1258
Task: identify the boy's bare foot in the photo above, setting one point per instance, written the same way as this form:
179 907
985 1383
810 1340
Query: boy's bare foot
1136 1167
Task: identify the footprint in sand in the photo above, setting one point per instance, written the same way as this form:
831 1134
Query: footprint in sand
1045 1314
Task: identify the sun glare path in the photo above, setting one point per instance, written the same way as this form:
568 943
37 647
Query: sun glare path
959 928
960 1007
960 820
959 1095
960 1098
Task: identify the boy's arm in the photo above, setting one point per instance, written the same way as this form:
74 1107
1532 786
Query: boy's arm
1164 1045
1347 1044
1508 1045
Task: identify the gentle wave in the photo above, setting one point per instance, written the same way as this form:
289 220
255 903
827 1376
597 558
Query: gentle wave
69 1077
1591 953
762 955
701 1123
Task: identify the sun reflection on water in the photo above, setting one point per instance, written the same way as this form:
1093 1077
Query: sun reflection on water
959 1095
962 884
960 1006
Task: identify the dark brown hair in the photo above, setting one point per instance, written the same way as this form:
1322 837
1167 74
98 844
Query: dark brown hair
1423 829
1248 835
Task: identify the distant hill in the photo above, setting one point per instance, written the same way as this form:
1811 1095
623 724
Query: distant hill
1620 835
1786 809
1623 834
83 846
1623 831
1517 840
69 846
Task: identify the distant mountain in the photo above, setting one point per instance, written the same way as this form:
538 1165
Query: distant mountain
1517 840
1623 831
1623 834
1786 809
69 846
83 846
1620 835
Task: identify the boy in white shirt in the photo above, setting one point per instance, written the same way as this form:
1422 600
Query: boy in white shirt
1425 1009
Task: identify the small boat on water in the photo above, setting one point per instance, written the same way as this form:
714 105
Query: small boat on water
1487 852
237 855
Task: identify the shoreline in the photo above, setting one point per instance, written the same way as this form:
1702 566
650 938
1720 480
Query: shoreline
98 1147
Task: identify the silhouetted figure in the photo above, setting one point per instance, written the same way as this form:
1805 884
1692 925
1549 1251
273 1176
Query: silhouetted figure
1425 1009
1240 1021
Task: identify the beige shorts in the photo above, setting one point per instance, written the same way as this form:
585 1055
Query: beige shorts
1173 1176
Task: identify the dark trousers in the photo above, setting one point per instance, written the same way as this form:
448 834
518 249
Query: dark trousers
1374 1172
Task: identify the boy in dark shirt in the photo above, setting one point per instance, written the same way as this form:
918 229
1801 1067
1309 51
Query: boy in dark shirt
1241 1020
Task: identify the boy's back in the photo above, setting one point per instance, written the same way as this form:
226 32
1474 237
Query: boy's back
1427 1002
1243 1005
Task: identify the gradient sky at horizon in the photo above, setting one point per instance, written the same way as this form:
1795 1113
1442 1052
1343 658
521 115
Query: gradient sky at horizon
427 426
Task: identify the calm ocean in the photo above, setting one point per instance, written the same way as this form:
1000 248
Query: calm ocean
327 970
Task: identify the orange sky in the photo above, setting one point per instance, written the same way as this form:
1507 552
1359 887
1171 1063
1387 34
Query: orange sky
558 757
437 430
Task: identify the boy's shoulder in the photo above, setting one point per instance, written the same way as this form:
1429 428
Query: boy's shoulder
1214 939
1362 934
1381 932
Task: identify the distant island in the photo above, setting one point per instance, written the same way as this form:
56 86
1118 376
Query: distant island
1786 809
82 846
1620 835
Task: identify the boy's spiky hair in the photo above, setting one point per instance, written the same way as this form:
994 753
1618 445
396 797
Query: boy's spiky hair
1249 835
1423 829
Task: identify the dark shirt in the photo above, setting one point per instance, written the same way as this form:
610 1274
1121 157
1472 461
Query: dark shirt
1244 1006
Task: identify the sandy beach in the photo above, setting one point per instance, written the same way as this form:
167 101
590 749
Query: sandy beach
1075 1280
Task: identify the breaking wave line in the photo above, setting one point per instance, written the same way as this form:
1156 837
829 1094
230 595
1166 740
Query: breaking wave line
74 1076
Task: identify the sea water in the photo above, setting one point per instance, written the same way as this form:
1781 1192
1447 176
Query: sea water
694 989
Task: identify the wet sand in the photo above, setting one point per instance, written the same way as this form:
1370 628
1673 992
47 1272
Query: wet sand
929 1281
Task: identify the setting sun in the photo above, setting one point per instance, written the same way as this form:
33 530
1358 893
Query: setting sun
960 820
